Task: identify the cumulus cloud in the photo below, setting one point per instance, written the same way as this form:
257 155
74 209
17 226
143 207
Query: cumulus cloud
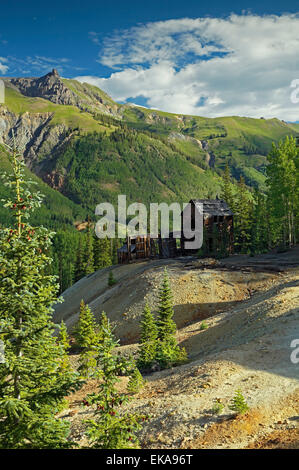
240 65
3 66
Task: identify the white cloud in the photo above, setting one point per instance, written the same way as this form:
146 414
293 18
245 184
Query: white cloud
240 65
94 37
3 67
37 65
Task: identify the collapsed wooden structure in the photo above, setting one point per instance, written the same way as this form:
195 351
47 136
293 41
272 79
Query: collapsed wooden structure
218 228
147 246
217 235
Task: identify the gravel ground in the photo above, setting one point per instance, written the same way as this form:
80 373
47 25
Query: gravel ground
252 319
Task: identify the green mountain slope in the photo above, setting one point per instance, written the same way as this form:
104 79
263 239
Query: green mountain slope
132 163
242 142
56 212
91 149
69 116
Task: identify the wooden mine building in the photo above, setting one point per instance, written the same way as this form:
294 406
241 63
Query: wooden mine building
218 229
217 236
147 246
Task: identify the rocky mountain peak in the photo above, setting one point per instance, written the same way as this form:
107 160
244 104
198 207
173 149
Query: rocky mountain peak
49 86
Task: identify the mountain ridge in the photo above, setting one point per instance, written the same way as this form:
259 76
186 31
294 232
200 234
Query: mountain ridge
65 124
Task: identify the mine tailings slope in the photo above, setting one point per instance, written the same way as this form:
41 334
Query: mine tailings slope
251 311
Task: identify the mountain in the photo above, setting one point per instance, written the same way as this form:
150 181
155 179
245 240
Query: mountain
57 211
89 148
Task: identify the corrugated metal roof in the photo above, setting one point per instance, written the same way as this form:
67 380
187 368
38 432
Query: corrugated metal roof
212 206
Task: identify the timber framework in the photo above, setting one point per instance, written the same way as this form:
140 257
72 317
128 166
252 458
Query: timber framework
218 236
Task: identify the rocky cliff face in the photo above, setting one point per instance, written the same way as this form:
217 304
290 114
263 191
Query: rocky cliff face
36 136
49 87
36 132
53 88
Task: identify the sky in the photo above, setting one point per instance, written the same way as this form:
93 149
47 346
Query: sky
192 57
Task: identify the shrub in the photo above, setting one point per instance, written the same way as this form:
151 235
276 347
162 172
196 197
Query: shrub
218 407
238 403
111 280
203 326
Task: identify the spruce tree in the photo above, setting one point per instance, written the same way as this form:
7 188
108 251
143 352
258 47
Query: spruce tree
64 341
111 280
32 387
97 253
89 267
116 245
102 253
238 403
226 189
79 264
168 351
148 340
87 338
63 337
243 217
166 325
111 427
136 382
260 229
65 263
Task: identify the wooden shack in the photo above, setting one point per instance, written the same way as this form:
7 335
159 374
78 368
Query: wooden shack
218 233
217 236
135 248
147 247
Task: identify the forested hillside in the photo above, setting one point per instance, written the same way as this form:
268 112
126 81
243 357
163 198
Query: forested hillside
89 149
56 212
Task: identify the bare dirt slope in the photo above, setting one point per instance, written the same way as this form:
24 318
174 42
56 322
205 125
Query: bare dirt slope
201 288
252 317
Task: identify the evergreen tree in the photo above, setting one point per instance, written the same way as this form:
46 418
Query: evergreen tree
243 217
111 427
116 245
136 382
238 403
102 253
64 342
88 338
64 245
63 337
260 230
97 253
166 325
283 191
79 264
111 280
32 387
168 351
148 339
89 267
226 189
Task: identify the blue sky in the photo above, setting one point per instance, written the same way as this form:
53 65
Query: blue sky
209 58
